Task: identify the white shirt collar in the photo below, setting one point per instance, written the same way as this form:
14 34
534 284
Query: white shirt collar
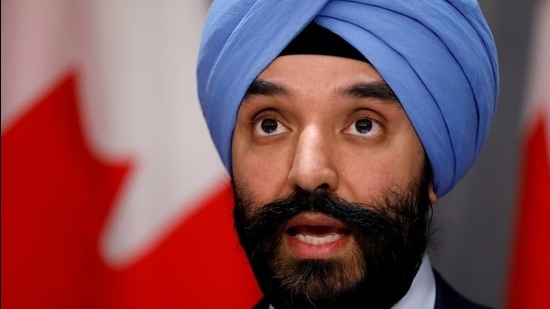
422 291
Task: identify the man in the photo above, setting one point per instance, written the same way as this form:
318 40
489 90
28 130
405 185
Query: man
341 124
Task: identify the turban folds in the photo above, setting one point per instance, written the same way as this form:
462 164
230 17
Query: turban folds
438 57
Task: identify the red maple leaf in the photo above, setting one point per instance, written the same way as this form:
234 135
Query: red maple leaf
55 198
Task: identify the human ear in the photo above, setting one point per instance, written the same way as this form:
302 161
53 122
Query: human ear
431 194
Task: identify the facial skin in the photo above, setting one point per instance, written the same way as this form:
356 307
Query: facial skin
328 134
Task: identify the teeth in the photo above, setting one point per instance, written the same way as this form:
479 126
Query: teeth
318 240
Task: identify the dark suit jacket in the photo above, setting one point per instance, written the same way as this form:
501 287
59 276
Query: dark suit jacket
445 297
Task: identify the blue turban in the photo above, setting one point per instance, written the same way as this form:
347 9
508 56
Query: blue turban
437 56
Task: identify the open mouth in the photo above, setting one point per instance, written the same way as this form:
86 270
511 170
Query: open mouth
315 235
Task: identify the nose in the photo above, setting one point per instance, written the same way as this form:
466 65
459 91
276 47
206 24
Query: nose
313 165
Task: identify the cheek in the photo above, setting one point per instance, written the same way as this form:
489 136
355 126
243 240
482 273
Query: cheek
366 176
365 181
263 174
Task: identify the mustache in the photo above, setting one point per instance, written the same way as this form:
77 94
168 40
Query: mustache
380 217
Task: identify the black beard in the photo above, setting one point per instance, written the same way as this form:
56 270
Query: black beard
391 237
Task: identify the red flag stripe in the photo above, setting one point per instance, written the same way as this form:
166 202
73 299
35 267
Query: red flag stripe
530 280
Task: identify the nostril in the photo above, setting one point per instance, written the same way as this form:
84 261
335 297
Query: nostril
322 189
323 186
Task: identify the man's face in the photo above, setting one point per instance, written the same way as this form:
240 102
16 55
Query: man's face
329 178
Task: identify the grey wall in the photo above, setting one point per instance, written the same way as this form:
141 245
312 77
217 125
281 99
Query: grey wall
474 224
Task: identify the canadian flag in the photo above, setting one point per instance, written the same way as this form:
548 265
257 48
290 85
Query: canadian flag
112 193
530 273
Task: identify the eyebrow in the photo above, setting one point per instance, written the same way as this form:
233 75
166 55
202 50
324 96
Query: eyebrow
377 90
266 88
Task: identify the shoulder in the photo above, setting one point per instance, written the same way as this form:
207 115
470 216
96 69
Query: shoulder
448 298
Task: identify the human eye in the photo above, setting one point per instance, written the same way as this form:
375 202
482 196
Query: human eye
364 126
268 125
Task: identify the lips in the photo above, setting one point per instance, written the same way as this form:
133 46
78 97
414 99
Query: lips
315 235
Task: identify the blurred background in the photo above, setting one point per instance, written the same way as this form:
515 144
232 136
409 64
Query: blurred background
114 197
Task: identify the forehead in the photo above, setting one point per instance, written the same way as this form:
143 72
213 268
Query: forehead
310 74
294 66
318 76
